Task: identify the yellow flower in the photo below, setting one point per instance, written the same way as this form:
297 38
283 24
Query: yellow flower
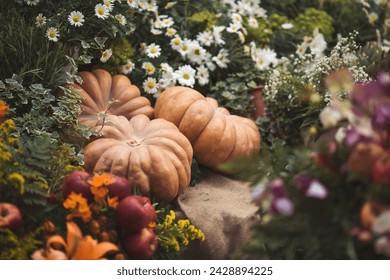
17 180
183 223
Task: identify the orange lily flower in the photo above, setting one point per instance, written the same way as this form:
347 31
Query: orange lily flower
78 247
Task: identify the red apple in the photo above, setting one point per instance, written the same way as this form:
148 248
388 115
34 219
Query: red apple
141 245
134 213
121 188
77 182
10 216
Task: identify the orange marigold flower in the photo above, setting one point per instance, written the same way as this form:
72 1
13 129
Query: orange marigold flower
79 206
3 109
103 179
99 192
112 202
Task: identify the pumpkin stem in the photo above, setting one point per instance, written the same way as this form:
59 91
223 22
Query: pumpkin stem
134 142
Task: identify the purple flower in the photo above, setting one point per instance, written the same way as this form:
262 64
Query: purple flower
381 115
353 137
311 187
276 187
282 205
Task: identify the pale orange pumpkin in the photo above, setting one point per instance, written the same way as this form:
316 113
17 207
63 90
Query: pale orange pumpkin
99 89
216 135
152 154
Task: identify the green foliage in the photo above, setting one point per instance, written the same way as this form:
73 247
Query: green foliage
206 18
18 248
312 19
122 51
315 223
26 52
234 95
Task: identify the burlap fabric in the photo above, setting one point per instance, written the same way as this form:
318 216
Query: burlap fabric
221 208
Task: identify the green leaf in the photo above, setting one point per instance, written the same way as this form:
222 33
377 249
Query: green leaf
100 41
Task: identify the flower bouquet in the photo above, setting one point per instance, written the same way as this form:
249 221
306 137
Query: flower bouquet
330 200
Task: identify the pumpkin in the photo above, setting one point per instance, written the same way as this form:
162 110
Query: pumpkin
216 135
99 89
152 154
370 211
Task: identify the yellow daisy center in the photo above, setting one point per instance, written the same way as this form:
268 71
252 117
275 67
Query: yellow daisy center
150 84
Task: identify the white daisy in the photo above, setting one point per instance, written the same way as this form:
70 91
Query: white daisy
176 43
152 7
101 11
149 68
166 67
170 32
128 67
167 79
301 49
318 44
76 18
155 31
222 58
109 4
263 58
168 22
287 25
233 27
106 55
372 18
52 34
252 22
40 20
121 19
209 62
150 85
196 53
32 2
185 47
158 23
185 75
205 38
217 34
202 75
153 50
132 3
236 17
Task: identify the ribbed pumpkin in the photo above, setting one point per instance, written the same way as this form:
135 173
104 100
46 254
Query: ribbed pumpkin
99 88
152 154
216 135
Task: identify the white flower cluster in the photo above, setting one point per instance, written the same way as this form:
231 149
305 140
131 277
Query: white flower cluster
198 56
342 56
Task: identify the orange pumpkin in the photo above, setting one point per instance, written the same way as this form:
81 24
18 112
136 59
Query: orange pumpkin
99 89
216 135
152 154
370 211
